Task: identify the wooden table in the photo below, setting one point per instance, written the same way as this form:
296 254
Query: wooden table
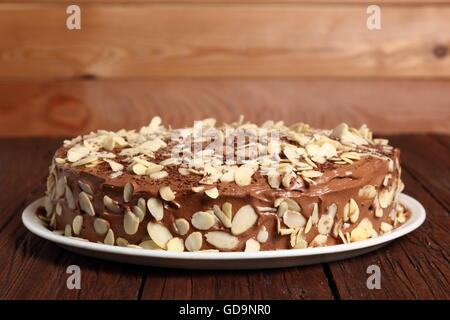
413 267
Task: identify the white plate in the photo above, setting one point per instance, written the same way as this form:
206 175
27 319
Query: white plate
226 260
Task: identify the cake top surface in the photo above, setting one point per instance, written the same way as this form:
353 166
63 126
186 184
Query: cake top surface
237 152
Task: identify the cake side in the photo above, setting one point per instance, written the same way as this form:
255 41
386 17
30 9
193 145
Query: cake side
180 189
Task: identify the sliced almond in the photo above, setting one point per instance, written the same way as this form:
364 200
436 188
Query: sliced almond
130 223
115 166
175 244
228 175
77 224
194 241
158 175
301 242
385 198
85 203
274 180
166 193
242 176
184 171
101 226
319 241
156 208
202 220
58 209
42 220
142 204
69 198
111 205
52 223
149 244
282 209
60 188
128 192
154 168
262 235
85 187
76 153
358 234
293 237
222 240
292 204
337 228
294 219
251 245
351 211
137 211
226 221
227 209
386 227
182 226
378 211
311 174
332 210
287 179
367 192
243 220
212 193
315 214
109 239
121 242
197 189
159 233
89 161
278 202
139 169
308 225
68 230
134 246
325 224
79 239
48 205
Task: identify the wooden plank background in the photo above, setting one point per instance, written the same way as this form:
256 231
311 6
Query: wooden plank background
294 60
67 108
223 40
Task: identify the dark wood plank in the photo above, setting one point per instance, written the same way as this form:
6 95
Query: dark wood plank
292 283
413 267
75 107
429 161
444 139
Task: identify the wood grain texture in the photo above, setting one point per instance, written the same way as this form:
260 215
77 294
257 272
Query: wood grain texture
223 40
432 172
444 140
292 283
71 108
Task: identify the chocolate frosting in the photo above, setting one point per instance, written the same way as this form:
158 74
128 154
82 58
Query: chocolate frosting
336 186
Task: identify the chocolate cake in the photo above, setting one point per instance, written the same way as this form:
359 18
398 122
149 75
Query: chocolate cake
237 187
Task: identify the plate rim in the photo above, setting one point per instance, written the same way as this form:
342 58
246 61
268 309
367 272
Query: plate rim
418 216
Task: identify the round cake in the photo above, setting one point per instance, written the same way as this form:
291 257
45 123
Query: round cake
235 187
